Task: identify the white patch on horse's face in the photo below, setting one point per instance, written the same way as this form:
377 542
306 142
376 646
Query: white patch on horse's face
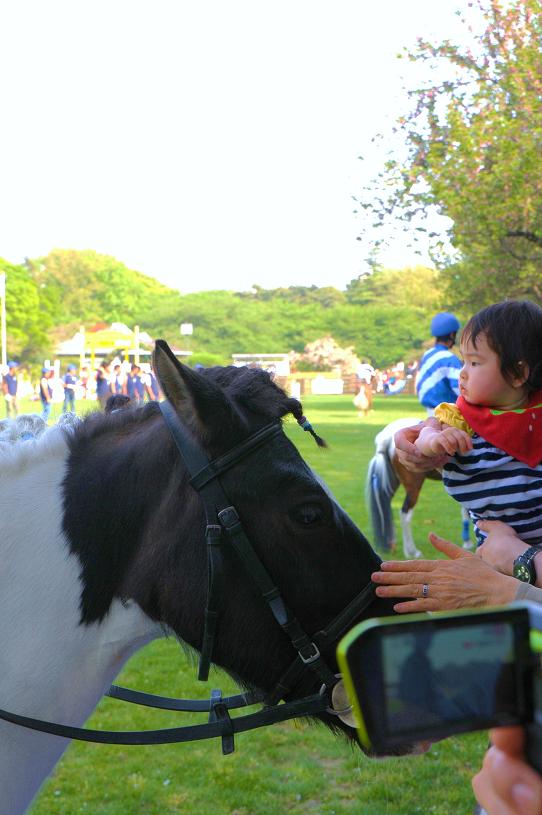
51 667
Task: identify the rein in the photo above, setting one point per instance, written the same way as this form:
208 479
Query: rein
223 523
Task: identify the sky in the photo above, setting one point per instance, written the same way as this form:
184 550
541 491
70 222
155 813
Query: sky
211 144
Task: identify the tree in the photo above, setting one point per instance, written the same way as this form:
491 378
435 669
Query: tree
28 316
325 354
415 286
91 287
474 140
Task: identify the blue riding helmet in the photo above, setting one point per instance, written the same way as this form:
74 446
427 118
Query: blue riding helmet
443 324
13 364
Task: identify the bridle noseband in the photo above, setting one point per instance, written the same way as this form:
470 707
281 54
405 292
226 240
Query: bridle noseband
224 525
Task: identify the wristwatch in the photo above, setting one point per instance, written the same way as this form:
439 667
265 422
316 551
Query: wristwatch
524 568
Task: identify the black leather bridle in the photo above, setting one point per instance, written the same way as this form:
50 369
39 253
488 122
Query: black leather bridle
223 525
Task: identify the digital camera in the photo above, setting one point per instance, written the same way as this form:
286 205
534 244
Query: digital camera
420 677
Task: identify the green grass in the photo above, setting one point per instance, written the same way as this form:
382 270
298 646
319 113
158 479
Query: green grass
293 767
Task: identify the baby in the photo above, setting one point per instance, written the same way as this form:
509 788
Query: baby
494 431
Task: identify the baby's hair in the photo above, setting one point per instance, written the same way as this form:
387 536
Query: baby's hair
513 330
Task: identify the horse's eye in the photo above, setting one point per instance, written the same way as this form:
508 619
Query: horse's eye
307 514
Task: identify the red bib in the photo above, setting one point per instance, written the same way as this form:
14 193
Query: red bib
517 432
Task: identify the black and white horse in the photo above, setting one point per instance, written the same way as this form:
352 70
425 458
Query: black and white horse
102 549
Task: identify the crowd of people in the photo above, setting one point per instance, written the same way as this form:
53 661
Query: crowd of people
137 383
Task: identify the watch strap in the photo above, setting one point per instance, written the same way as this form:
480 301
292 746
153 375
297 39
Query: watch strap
526 559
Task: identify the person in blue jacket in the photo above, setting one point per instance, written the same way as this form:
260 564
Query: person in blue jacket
135 388
46 392
103 383
69 380
438 374
9 388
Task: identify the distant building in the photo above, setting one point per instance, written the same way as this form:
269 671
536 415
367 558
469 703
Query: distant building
278 364
106 341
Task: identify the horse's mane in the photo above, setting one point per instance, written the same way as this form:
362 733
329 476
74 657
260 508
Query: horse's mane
19 451
254 389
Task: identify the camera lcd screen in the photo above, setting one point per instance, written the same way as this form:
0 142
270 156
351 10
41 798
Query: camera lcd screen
432 678
450 675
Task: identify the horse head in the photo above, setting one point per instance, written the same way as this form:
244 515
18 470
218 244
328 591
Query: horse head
311 549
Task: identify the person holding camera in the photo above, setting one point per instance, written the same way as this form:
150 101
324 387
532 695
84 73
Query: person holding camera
506 784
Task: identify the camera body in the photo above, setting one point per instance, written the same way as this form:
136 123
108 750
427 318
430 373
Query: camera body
420 677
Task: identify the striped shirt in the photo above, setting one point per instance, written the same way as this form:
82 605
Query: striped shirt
494 486
438 376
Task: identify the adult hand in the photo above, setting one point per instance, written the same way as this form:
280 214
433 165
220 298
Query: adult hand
506 784
464 581
501 547
408 454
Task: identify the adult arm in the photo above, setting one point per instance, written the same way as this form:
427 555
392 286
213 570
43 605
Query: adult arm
506 784
463 581
502 546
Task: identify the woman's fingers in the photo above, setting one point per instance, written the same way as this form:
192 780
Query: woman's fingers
401 590
447 548
408 565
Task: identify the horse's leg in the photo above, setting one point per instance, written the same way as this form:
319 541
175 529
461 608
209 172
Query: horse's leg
465 529
412 482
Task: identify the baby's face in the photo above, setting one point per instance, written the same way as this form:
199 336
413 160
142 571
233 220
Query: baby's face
481 381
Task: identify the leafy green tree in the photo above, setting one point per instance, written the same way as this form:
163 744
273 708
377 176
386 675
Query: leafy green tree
474 140
28 315
416 286
91 287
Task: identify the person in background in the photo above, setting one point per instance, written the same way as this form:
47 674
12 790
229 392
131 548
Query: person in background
152 388
9 388
134 385
438 375
83 381
118 381
365 373
69 380
46 392
103 384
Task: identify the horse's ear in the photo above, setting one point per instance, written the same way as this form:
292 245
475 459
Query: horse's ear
200 403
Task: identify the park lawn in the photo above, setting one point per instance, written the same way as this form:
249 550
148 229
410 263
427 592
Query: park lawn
293 767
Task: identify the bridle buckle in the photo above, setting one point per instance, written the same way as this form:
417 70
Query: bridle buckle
312 658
